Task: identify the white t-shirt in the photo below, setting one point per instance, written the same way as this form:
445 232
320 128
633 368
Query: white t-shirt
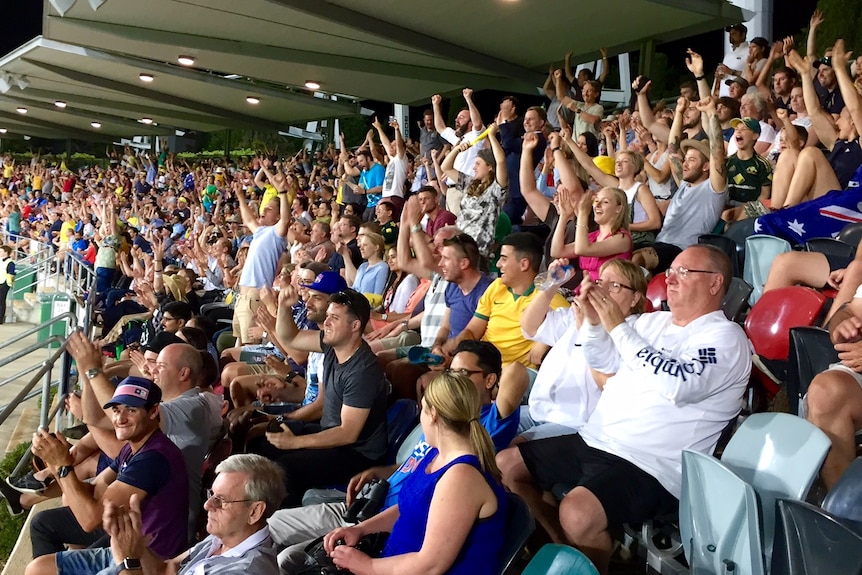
466 160
676 388
396 176
735 59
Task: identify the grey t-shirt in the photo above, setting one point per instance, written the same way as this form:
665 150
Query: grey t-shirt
358 382
693 211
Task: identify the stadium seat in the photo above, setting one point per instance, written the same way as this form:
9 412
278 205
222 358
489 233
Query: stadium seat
811 351
760 252
831 247
779 455
519 526
401 418
851 234
844 500
810 540
656 292
770 319
555 559
735 301
718 518
728 246
531 373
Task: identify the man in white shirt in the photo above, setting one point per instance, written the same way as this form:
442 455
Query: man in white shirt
680 380
734 61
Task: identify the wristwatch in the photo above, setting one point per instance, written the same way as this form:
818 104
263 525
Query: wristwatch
131 564
404 325
93 372
384 316
64 471
415 228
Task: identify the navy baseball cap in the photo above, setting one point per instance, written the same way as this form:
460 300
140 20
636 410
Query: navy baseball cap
136 392
328 283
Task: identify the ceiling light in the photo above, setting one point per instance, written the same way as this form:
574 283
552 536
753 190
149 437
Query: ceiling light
311 85
96 125
146 120
60 104
2 130
186 60
146 77
253 100
26 137
21 110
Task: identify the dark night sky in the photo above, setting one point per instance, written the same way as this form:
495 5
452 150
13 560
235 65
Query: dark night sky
24 24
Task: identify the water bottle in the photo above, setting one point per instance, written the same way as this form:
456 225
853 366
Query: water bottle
555 276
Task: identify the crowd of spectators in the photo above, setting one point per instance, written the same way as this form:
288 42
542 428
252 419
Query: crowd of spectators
287 301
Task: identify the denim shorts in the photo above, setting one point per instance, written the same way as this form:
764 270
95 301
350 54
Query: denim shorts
86 562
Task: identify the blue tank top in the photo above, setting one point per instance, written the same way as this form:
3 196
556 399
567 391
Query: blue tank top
478 555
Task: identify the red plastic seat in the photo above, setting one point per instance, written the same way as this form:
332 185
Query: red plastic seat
769 321
656 291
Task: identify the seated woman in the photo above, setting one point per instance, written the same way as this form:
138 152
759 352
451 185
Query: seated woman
451 511
566 389
611 240
400 285
370 277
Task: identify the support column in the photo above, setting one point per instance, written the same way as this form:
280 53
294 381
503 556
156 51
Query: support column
402 114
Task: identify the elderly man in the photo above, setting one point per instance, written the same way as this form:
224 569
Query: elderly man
149 466
246 491
679 379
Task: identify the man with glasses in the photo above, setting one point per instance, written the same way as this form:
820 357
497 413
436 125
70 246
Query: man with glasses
175 315
246 491
479 361
351 435
680 376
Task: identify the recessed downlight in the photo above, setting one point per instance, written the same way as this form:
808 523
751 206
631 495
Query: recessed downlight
146 120
60 104
312 85
21 110
3 130
253 100
96 125
146 77
186 60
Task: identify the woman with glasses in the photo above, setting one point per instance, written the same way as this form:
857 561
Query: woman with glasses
484 191
566 390
451 511
612 238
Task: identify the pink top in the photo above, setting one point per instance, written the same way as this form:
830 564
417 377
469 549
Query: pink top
592 265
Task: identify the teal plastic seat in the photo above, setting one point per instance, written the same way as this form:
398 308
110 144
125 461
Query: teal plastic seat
532 373
779 455
718 518
554 559
760 251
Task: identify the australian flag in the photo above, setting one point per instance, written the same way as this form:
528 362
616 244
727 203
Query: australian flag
823 217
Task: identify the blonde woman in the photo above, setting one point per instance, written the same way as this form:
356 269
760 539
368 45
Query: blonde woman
371 275
612 239
451 511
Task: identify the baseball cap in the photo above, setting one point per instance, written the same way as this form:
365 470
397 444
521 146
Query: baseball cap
701 146
824 61
750 123
160 341
743 83
136 392
328 283
740 27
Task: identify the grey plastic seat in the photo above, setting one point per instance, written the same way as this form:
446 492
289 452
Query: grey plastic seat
844 500
519 526
831 247
779 455
810 540
735 301
851 234
811 351
760 252
718 518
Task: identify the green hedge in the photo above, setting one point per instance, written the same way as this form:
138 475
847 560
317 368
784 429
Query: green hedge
10 527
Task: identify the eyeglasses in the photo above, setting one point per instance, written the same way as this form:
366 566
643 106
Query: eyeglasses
166 318
613 287
220 502
682 272
463 372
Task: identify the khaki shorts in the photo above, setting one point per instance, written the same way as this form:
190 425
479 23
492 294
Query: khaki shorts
406 338
243 316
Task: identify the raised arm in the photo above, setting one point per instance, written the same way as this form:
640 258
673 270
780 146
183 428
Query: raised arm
694 63
657 129
584 159
448 165
285 327
717 153
475 116
424 264
606 68
674 139
381 133
811 44
499 156
400 148
840 63
537 201
548 86
567 67
248 217
439 123
821 121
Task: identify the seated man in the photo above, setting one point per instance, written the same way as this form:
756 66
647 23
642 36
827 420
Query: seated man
246 491
834 399
148 466
680 380
501 397
498 313
351 436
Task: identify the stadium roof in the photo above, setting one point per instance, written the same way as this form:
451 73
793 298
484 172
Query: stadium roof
390 50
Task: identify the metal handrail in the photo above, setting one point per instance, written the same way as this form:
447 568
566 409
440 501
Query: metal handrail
44 371
24 334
